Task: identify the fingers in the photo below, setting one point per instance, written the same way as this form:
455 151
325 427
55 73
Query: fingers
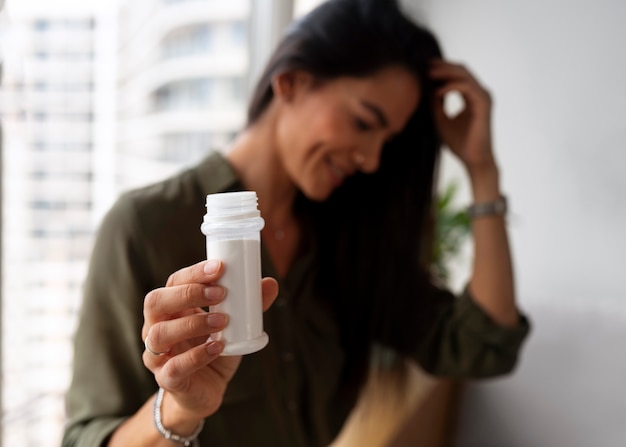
166 301
269 290
186 290
444 70
204 272
163 335
477 98
467 89
456 77
173 315
173 372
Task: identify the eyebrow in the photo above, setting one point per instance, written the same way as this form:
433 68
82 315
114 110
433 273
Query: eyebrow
380 115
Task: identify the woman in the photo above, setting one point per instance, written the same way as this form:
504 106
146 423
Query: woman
341 145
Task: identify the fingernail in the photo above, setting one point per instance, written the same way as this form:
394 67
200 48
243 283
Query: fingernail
216 320
213 293
214 347
211 267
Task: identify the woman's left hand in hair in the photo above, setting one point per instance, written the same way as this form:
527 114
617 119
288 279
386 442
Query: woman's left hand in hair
468 133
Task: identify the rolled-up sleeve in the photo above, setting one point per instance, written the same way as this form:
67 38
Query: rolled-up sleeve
464 342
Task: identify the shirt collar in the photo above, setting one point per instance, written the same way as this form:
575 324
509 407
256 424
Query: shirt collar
214 174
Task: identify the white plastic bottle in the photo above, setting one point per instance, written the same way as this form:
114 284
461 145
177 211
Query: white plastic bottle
232 226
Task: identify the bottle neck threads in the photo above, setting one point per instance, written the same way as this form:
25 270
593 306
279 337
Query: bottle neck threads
234 210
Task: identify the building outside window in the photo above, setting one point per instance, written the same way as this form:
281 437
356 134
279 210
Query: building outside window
180 79
47 227
191 40
177 92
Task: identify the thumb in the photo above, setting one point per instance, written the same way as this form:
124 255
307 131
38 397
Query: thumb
269 287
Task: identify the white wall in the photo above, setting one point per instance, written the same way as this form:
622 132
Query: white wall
557 70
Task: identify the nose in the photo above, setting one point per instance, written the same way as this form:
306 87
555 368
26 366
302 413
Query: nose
367 157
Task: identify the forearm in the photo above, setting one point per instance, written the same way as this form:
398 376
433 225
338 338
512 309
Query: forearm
492 282
140 430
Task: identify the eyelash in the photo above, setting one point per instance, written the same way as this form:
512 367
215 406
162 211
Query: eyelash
362 125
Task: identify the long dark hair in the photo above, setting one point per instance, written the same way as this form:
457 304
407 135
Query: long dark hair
372 233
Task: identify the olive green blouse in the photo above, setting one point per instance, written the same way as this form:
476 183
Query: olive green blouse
289 393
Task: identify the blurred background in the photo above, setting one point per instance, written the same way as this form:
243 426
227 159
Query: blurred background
101 96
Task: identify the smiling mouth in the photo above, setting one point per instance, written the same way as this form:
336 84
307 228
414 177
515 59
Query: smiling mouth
337 174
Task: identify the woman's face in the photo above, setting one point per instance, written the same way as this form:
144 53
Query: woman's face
327 132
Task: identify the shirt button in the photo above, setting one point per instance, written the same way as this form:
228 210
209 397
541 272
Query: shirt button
288 356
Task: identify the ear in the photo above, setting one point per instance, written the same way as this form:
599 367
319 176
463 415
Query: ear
289 84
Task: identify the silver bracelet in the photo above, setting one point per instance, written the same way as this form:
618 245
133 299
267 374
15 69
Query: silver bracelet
189 441
498 207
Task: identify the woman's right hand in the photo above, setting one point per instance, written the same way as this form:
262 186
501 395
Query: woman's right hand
190 369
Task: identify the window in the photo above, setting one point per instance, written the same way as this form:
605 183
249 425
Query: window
181 1
238 89
41 25
186 147
61 146
239 34
188 41
198 94
75 24
59 177
184 95
62 24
